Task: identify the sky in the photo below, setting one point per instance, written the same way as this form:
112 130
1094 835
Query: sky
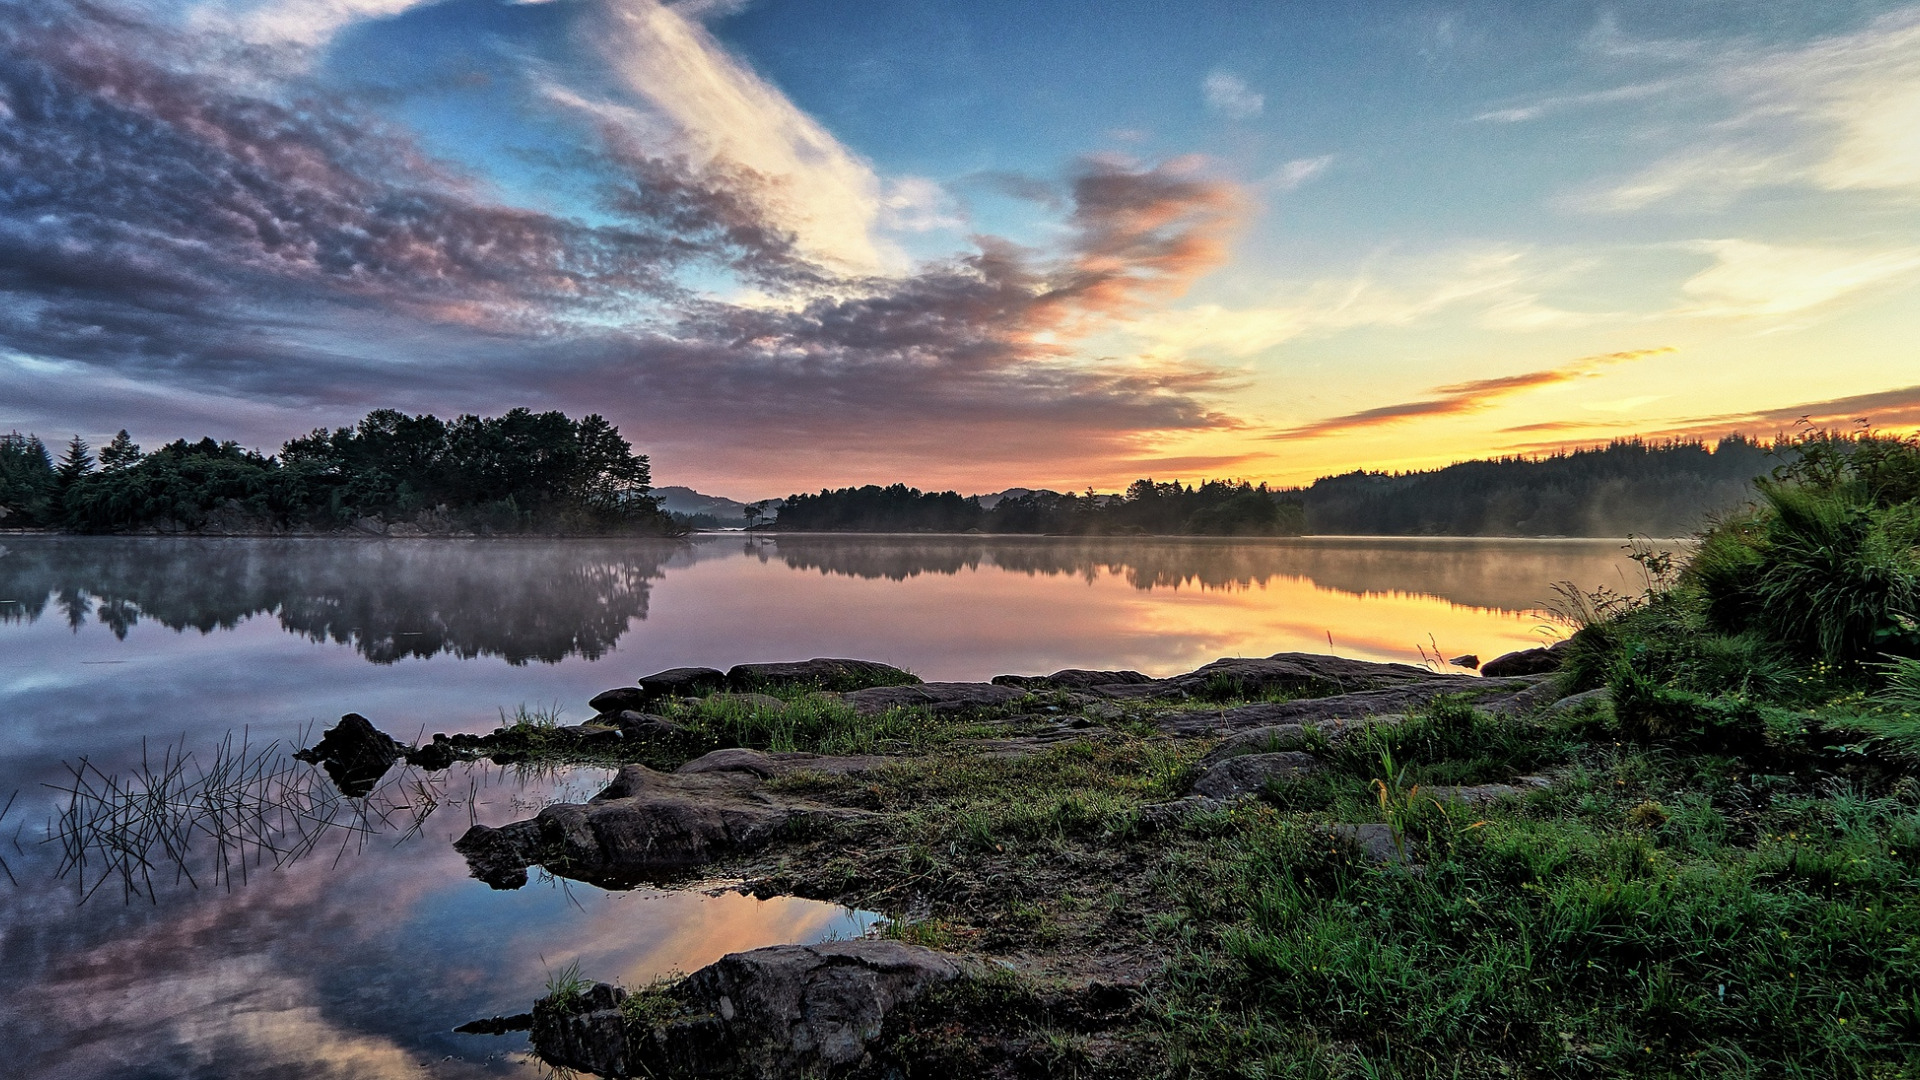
788 244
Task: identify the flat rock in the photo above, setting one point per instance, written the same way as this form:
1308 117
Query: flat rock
1273 738
682 682
820 673
1527 661
1486 793
1298 675
354 753
1075 679
1248 773
936 697
645 826
783 1011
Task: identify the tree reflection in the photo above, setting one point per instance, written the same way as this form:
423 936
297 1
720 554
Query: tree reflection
517 600
1512 575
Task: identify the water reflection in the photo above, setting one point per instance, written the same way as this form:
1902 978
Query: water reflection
360 957
388 600
1511 575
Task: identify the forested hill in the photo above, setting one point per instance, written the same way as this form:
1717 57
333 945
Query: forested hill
1663 489
390 474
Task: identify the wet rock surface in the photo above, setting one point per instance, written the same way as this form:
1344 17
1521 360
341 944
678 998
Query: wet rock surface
354 754
649 826
784 1011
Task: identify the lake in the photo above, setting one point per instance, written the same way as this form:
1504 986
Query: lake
345 939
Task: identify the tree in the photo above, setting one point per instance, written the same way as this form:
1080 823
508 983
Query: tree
754 511
121 453
75 463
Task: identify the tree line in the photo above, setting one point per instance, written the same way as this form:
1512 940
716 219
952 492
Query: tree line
1212 508
1628 486
519 472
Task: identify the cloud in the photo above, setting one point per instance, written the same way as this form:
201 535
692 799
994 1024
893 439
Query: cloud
1838 114
184 234
1750 279
303 23
1500 283
1467 397
1231 96
1896 410
1297 172
724 114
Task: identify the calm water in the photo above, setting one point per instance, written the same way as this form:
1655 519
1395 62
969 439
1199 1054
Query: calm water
356 958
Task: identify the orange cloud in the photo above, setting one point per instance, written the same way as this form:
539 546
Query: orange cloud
1466 397
1895 410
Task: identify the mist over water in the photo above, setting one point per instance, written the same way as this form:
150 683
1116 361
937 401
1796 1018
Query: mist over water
358 957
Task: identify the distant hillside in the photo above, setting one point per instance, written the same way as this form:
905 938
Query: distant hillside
685 500
1665 489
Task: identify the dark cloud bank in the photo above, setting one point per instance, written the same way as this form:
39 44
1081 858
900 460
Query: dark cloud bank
185 227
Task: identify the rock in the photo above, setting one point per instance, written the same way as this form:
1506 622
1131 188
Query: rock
639 725
1248 773
820 673
1531 700
587 1033
1486 793
1374 842
682 682
1296 675
1074 679
1599 695
619 699
1527 661
591 737
736 759
788 1010
1468 661
436 755
936 697
497 1025
372 526
648 826
355 754
1274 738
749 703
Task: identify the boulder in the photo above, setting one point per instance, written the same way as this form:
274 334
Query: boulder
648 826
783 1011
1331 714
1586 699
682 682
935 697
1527 661
619 699
588 1032
1375 843
354 753
1297 675
820 673
1249 773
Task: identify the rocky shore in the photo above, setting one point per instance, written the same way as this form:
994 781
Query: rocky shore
817 779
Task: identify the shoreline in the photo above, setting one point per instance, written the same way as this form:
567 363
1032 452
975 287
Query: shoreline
1083 857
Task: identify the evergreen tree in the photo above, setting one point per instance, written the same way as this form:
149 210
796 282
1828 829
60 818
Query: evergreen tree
119 454
76 462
